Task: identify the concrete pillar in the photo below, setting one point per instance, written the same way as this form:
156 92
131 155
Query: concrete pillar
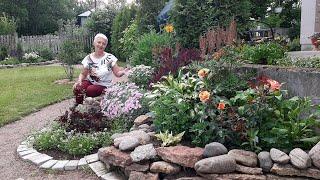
309 22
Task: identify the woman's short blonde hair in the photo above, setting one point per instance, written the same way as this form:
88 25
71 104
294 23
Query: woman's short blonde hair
100 35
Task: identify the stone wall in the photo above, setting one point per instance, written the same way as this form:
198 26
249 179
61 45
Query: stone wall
138 155
301 82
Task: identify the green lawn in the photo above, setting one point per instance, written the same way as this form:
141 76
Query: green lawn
25 90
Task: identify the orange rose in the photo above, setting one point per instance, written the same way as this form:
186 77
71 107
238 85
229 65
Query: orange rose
202 73
204 96
221 106
274 85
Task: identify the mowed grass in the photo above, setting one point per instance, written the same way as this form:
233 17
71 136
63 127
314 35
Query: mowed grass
25 90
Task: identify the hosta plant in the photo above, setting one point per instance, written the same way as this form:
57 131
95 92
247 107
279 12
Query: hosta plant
169 139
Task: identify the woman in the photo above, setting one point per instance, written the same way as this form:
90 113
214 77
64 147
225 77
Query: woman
96 74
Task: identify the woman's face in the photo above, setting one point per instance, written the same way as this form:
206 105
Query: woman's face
100 44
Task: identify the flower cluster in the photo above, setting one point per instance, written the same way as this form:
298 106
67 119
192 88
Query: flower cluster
141 75
31 55
121 99
267 83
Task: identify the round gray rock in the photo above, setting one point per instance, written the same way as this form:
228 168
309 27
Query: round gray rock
144 152
265 161
314 154
128 143
214 149
299 158
279 156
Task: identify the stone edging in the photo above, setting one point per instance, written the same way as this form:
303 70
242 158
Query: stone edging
29 64
27 153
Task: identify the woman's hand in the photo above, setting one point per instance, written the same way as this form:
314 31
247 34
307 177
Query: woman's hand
77 84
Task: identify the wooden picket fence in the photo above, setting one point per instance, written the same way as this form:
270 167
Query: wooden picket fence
216 38
34 43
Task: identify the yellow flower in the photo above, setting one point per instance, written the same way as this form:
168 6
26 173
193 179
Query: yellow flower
202 73
169 28
204 96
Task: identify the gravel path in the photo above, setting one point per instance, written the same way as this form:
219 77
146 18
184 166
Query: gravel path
11 135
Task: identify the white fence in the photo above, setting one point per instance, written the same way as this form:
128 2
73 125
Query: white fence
33 43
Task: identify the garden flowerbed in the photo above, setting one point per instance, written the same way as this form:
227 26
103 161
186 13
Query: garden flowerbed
230 128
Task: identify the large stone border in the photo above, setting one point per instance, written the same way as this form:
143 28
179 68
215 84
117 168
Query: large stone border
27 153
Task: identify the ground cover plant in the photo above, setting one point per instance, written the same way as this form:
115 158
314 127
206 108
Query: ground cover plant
88 127
24 90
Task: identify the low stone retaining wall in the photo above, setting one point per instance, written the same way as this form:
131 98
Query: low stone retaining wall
138 155
303 82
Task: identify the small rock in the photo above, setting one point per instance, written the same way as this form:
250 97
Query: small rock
265 161
112 176
128 143
182 155
143 152
314 154
233 176
144 126
246 158
216 165
214 149
142 136
164 167
142 120
116 135
139 176
288 170
248 170
300 159
111 155
279 156
138 167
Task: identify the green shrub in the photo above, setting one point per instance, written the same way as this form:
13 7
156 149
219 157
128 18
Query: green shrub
143 52
121 22
46 54
191 18
265 53
141 75
3 52
7 25
147 14
10 61
294 45
70 54
101 21
129 40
